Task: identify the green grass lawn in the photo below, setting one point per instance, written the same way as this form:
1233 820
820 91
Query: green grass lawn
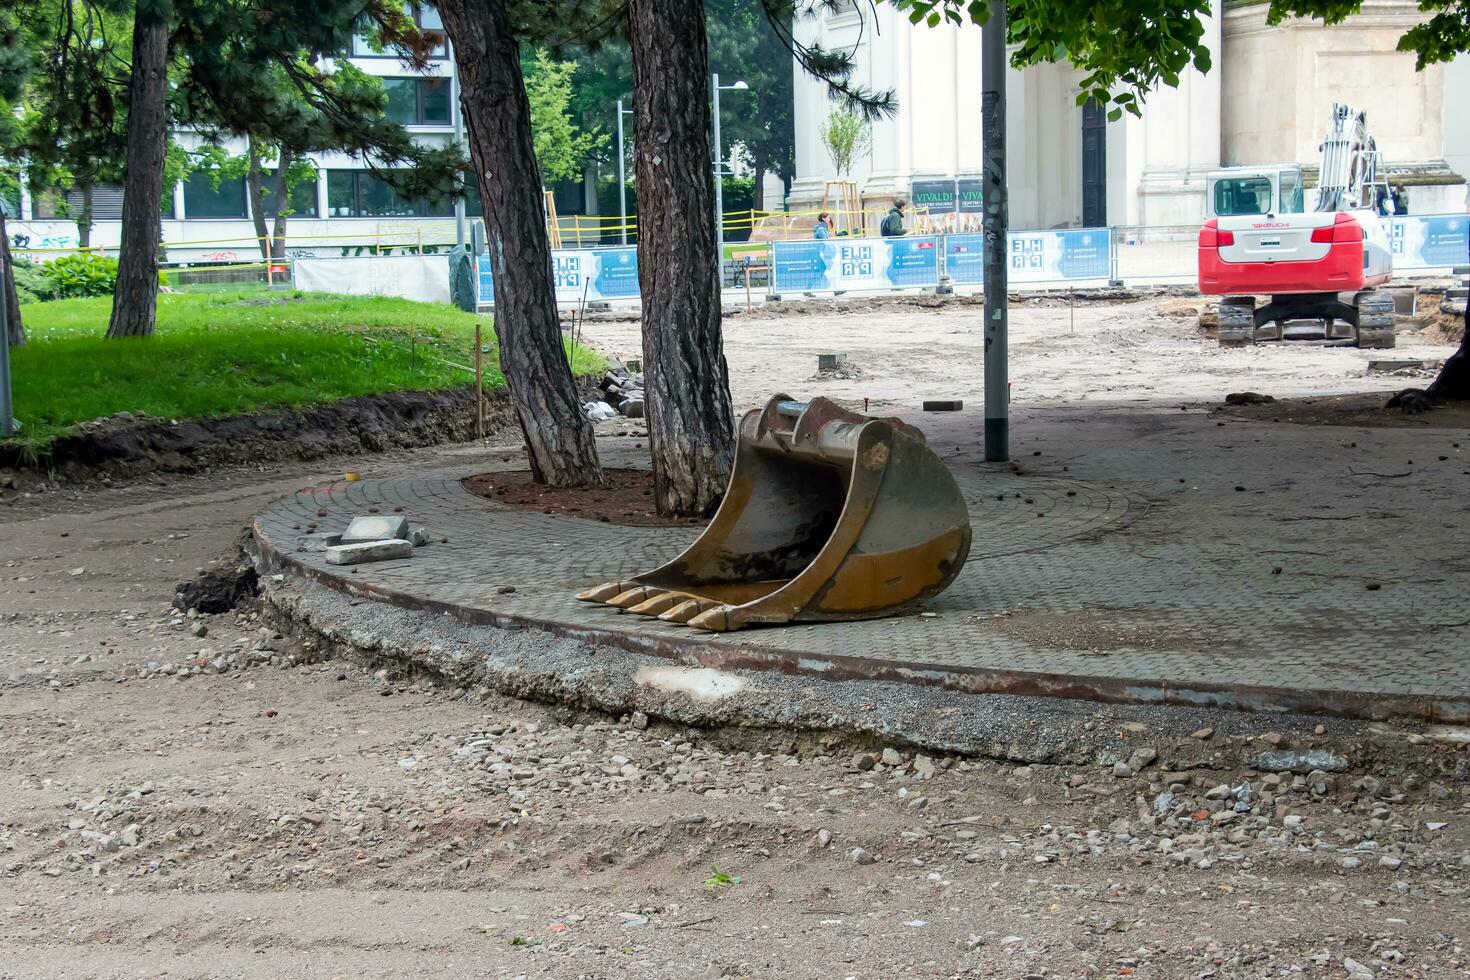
230 353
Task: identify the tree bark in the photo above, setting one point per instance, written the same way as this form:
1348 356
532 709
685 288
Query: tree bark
256 188
1452 384
283 205
497 121
135 300
15 329
84 223
690 420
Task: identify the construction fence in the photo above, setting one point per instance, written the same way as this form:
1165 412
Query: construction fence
1064 258
1067 258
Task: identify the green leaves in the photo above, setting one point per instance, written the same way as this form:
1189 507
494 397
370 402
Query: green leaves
561 148
846 135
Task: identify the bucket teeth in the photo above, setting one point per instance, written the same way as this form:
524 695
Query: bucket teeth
634 596
685 611
659 604
605 591
716 620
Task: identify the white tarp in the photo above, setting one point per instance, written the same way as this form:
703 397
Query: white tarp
421 277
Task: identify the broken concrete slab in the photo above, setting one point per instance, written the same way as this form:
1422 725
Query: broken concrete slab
317 541
364 551
1391 366
418 537
376 528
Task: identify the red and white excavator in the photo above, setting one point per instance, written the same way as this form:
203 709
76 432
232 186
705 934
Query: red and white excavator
1318 267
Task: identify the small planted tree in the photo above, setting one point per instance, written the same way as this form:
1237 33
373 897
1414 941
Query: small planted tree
561 147
271 173
847 136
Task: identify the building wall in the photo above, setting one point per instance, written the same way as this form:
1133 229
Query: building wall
1280 83
1265 100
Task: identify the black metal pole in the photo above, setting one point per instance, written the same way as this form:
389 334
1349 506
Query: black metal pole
997 221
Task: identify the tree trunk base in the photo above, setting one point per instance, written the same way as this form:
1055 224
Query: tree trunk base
1453 383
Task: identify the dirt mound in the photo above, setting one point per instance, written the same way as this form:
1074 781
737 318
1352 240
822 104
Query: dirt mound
1444 325
626 499
372 423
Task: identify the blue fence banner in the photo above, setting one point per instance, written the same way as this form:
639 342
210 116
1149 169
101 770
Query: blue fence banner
596 273
1048 256
840 264
487 284
1034 256
964 258
1429 241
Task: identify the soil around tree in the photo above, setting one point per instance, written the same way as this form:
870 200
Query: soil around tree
627 498
1364 410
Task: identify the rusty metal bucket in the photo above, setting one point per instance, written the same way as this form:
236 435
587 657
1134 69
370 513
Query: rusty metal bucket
829 515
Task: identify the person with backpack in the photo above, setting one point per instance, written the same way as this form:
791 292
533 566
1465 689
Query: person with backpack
892 226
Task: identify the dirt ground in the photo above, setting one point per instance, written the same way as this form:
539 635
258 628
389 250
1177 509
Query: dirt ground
1356 409
899 355
202 796
627 497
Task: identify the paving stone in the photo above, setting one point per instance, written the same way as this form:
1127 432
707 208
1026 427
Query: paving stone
1108 588
366 551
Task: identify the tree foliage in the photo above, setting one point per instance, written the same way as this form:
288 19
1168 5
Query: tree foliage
561 146
847 136
1440 37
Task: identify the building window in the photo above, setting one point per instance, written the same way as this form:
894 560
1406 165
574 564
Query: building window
427 18
360 194
417 101
202 199
106 203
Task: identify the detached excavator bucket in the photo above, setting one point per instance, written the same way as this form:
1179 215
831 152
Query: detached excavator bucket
829 515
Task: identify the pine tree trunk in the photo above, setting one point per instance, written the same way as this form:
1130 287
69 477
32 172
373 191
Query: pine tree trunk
84 223
690 423
498 128
15 329
283 205
256 188
135 300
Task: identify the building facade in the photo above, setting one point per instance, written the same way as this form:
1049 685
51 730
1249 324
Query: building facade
1265 101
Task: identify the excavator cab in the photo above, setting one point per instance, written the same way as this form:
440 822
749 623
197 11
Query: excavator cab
829 515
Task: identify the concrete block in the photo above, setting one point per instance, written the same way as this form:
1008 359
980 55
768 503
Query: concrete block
830 362
317 541
418 537
944 405
375 527
361 551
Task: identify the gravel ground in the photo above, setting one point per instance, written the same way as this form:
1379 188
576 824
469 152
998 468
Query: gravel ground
203 796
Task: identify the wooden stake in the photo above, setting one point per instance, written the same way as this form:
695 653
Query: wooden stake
479 387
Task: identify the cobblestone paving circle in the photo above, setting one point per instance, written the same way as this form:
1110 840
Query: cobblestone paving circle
1058 587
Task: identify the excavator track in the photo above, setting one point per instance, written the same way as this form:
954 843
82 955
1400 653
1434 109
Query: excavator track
1374 319
1237 321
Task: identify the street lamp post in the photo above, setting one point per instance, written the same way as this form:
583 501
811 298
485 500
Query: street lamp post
717 88
622 180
